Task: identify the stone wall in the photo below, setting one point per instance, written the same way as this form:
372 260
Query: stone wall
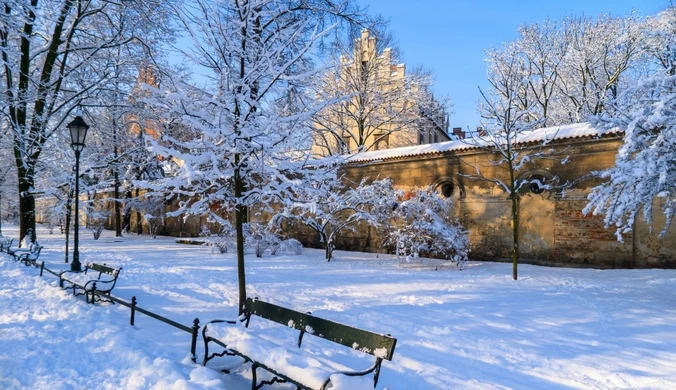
553 229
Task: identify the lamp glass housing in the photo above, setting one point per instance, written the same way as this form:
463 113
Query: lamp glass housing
78 132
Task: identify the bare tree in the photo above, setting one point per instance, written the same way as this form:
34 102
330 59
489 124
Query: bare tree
601 55
573 67
507 125
544 48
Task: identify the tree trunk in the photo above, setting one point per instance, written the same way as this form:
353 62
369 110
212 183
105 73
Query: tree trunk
328 246
139 222
116 176
240 218
126 222
118 212
47 88
329 252
515 234
26 206
69 203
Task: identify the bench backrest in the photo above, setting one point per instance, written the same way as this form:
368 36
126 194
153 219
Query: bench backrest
375 344
104 269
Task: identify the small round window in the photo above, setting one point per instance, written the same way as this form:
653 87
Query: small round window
446 189
537 184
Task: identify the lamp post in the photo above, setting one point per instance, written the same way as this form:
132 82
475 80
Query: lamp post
78 132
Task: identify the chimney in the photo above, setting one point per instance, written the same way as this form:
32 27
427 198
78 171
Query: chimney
458 133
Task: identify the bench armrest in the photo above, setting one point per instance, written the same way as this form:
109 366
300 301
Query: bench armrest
357 373
68 272
97 281
374 368
62 278
206 338
204 328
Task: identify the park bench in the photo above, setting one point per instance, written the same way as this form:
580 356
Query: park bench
17 250
31 248
30 257
291 363
5 244
96 281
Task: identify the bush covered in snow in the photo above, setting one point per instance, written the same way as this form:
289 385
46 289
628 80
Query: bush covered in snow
422 225
332 208
222 241
413 224
259 237
289 246
96 218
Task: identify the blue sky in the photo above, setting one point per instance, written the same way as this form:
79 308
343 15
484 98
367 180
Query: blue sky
449 37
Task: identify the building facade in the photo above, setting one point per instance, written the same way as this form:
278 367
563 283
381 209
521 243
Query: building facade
379 106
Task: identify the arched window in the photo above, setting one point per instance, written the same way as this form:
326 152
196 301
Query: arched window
446 189
449 188
537 184
538 181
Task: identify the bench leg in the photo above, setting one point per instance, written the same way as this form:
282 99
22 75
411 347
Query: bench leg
254 366
206 354
376 373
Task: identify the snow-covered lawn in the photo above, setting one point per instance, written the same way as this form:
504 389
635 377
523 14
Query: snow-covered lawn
555 328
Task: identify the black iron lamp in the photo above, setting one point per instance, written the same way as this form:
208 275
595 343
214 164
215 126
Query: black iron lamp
78 132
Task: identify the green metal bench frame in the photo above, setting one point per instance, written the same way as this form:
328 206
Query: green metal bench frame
16 252
30 257
93 286
5 244
348 336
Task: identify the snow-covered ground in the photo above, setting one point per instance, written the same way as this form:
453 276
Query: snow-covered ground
554 328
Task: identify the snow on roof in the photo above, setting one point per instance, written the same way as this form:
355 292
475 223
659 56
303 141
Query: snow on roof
572 131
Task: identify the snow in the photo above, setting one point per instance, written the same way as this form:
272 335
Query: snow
554 133
554 328
82 278
292 362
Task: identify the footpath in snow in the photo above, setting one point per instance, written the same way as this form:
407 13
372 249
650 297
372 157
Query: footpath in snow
555 328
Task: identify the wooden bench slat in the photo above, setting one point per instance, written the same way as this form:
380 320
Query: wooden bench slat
103 268
287 364
372 343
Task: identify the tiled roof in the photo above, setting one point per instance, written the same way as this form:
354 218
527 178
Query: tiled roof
545 134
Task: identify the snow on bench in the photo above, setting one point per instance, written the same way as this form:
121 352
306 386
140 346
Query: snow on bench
90 283
290 363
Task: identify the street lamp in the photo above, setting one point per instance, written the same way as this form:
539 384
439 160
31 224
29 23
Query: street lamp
78 132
